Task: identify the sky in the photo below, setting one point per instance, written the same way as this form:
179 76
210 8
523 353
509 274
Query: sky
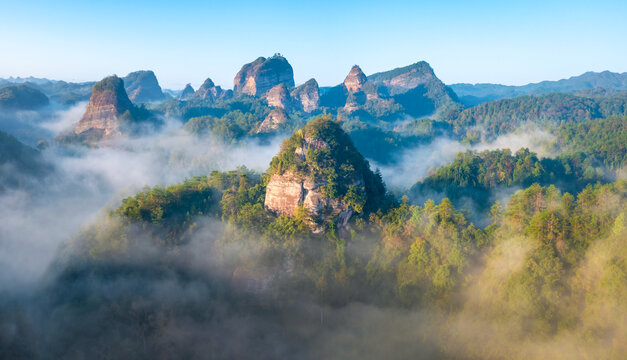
184 41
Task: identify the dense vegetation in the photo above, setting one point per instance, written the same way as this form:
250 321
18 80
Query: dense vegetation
472 95
323 152
604 140
549 265
21 97
497 254
503 116
482 176
19 163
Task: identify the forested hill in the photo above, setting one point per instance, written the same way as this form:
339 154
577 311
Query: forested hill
476 94
19 163
503 116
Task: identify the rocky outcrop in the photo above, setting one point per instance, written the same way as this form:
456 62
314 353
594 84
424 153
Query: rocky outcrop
279 97
263 74
308 95
209 91
275 119
320 170
355 79
286 192
107 105
416 88
408 77
187 92
142 86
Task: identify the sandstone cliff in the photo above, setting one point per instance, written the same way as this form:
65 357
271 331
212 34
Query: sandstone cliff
261 75
416 88
320 170
355 79
274 121
279 97
308 95
142 86
107 106
407 77
187 92
110 113
209 91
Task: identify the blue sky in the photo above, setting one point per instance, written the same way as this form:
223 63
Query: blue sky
508 42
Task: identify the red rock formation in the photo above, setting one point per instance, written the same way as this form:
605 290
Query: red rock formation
142 86
304 183
275 119
279 97
355 79
209 91
261 75
107 105
187 92
308 95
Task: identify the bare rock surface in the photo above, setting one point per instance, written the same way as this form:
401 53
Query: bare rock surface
261 75
355 79
107 105
308 95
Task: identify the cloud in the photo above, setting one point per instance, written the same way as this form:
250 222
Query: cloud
413 164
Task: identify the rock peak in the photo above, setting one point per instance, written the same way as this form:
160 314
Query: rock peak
207 84
107 104
187 92
142 86
261 75
308 95
320 170
355 79
209 91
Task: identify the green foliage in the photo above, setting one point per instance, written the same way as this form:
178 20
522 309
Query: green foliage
602 140
505 115
322 151
478 175
21 97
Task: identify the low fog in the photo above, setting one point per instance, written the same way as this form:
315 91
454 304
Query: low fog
412 165
188 307
36 220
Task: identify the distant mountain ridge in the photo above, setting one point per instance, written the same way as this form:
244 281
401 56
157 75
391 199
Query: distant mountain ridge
22 97
474 94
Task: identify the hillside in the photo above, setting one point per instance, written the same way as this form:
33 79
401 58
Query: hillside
320 169
142 86
20 165
21 97
471 95
505 115
109 114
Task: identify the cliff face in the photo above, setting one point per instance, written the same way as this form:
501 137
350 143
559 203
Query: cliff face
142 86
285 193
279 97
107 106
209 91
320 170
308 95
187 92
355 79
275 120
261 75
416 88
407 77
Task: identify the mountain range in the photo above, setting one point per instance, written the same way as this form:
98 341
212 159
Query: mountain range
474 94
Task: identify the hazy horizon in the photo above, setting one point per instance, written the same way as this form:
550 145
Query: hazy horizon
483 42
